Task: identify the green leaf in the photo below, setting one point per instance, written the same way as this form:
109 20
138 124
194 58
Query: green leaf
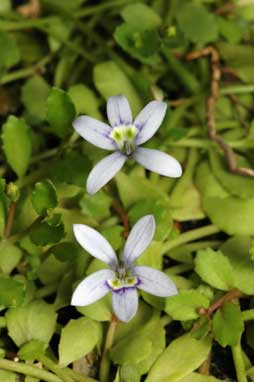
66 251
128 373
78 338
60 112
96 206
51 270
132 14
228 324
196 377
8 376
161 213
115 236
5 6
197 24
237 249
32 350
237 185
110 80
44 234
215 269
35 321
152 256
10 54
181 357
44 196
98 311
185 305
17 144
10 256
12 292
35 85
85 100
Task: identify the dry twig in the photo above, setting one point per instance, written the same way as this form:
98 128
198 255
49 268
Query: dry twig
31 10
211 103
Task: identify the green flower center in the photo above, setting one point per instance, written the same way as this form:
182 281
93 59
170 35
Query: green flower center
119 283
125 137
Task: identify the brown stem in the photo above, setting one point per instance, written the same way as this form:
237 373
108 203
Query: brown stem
10 219
30 10
123 216
210 114
229 296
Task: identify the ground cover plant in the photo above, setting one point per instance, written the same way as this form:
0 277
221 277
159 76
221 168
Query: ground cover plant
60 60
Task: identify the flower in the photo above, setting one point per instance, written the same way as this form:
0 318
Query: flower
121 278
124 138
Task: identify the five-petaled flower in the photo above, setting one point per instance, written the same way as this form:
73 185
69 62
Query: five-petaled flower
124 137
124 277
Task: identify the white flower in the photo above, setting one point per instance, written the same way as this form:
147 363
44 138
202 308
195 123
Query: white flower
121 278
124 137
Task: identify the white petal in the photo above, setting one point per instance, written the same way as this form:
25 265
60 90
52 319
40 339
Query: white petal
95 132
104 171
95 244
157 161
139 238
119 111
149 120
92 288
154 281
125 303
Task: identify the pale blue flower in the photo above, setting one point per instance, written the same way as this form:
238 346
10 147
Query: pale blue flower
124 277
124 137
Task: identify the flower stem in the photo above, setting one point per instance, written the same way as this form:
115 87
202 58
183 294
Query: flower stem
10 219
55 369
105 361
191 235
33 371
239 363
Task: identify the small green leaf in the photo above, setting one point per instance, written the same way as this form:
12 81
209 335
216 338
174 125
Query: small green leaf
44 196
132 14
10 54
32 350
10 256
96 206
185 305
196 377
17 144
181 357
201 32
228 324
85 100
12 292
44 234
35 85
8 376
78 338
66 251
215 269
128 373
98 311
35 321
51 270
60 112
110 80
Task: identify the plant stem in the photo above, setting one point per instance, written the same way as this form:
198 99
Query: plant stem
33 371
77 376
239 363
177 269
237 89
248 315
47 290
191 235
105 361
55 369
10 219
100 7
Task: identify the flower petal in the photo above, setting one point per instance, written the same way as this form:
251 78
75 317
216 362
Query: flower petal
95 132
154 282
139 238
157 161
92 288
95 244
104 171
149 120
125 303
119 111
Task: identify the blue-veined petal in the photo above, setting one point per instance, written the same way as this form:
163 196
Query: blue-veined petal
104 171
95 244
149 120
95 132
125 303
92 288
154 282
119 111
157 161
139 238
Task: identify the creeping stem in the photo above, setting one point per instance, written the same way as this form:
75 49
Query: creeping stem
105 361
